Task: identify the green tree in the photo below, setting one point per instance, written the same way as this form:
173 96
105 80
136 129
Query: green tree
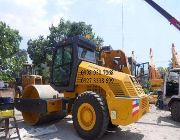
170 64
69 29
40 49
37 50
9 41
11 57
162 71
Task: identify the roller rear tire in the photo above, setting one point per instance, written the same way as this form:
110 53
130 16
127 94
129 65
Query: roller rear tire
90 115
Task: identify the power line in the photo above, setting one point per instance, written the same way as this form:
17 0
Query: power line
122 12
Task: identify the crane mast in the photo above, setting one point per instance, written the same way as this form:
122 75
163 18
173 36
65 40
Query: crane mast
175 58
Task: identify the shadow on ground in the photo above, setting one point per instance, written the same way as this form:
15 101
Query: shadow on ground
123 135
169 120
66 131
163 121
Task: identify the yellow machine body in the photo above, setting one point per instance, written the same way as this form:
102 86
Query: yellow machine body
31 80
96 96
107 58
153 99
119 89
156 83
154 75
27 77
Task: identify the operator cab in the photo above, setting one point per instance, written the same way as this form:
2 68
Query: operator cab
142 72
173 75
67 56
172 85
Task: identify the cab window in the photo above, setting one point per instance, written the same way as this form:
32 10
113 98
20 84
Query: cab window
62 66
86 54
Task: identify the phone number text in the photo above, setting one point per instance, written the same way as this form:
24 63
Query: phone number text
97 80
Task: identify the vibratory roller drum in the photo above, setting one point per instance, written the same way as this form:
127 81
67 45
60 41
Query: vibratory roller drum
40 103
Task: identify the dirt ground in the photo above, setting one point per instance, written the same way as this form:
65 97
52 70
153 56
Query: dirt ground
155 125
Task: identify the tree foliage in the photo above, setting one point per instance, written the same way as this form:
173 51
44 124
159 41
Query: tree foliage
162 71
40 49
9 41
69 29
170 64
11 56
37 49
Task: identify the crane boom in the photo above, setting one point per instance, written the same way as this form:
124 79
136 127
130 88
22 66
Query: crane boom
169 17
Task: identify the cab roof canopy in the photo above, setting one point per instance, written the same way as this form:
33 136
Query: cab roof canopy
79 40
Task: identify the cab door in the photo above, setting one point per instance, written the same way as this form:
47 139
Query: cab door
62 75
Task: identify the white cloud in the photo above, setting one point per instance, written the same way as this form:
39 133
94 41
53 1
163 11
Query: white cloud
31 17
25 15
62 10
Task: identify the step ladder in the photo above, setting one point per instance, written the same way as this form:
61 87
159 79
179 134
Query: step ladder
7 112
6 128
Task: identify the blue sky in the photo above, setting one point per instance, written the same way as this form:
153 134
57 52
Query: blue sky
144 28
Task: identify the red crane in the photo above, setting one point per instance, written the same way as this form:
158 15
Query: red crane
164 13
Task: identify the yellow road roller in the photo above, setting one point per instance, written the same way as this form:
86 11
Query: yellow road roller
96 96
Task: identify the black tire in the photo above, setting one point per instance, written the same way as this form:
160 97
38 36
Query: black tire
175 110
101 112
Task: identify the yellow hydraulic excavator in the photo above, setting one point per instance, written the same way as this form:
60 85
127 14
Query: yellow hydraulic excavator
96 96
175 58
154 76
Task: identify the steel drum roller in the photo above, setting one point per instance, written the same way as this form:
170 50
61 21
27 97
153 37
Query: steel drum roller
40 92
